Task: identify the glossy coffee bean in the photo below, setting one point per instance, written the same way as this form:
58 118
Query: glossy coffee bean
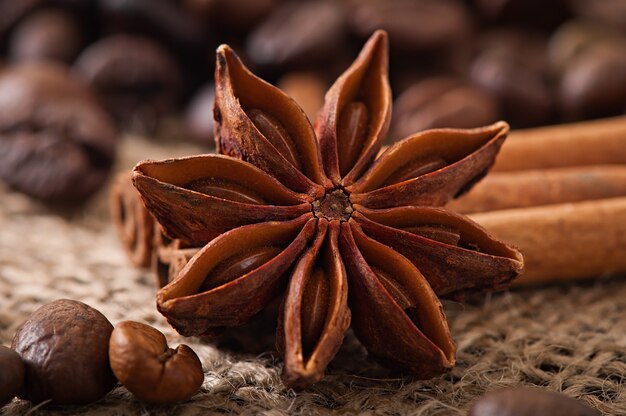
413 25
298 34
11 376
527 401
56 142
65 348
606 13
163 20
149 369
574 38
138 80
594 84
524 95
47 34
237 16
442 102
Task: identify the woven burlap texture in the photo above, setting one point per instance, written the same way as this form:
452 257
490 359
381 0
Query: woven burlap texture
564 338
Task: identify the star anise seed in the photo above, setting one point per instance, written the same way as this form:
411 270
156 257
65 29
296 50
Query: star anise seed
346 236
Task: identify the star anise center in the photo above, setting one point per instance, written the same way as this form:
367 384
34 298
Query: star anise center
334 205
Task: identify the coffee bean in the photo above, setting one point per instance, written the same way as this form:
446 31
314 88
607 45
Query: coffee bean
162 20
605 12
56 142
575 38
11 376
534 13
230 16
48 34
149 369
12 13
442 102
65 347
527 401
138 80
524 94
413 25
594 84
298 34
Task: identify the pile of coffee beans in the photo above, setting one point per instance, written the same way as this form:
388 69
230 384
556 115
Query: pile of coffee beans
149 63
68 353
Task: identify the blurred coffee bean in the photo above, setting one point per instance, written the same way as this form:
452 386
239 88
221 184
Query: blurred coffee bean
199 115
606 12
11 12
47 34
523 93
237 16
163 20
574 38
56 142
534 13
594 83
307 89
138 80
298 34
441 102
413 25
527 46
527 401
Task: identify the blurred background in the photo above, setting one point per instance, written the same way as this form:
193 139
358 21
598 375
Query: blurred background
149 63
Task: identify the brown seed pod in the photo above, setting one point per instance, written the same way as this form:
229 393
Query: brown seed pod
64 345
148 368
11 376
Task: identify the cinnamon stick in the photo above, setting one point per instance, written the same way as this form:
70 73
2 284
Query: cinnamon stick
565 241
133 223
504 190
586 143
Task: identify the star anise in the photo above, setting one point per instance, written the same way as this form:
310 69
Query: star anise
320 214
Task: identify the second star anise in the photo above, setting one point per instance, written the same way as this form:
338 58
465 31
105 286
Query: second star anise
349 236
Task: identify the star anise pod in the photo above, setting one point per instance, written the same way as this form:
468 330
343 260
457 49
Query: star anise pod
320 216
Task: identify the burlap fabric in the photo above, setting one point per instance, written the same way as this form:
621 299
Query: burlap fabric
564 338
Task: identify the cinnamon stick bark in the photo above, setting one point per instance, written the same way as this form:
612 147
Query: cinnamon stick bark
586 143
504 190
565 241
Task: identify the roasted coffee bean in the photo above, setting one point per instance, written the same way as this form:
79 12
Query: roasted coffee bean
48 34
231 15
442 102
575 38
594 84
535 13
163 20
605 12
523 93
56 142
527 401
148 368
13 12
11 376
139 81
413 25
65 348
298 34
199 115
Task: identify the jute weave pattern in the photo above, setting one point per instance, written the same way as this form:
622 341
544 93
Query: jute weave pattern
570 339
